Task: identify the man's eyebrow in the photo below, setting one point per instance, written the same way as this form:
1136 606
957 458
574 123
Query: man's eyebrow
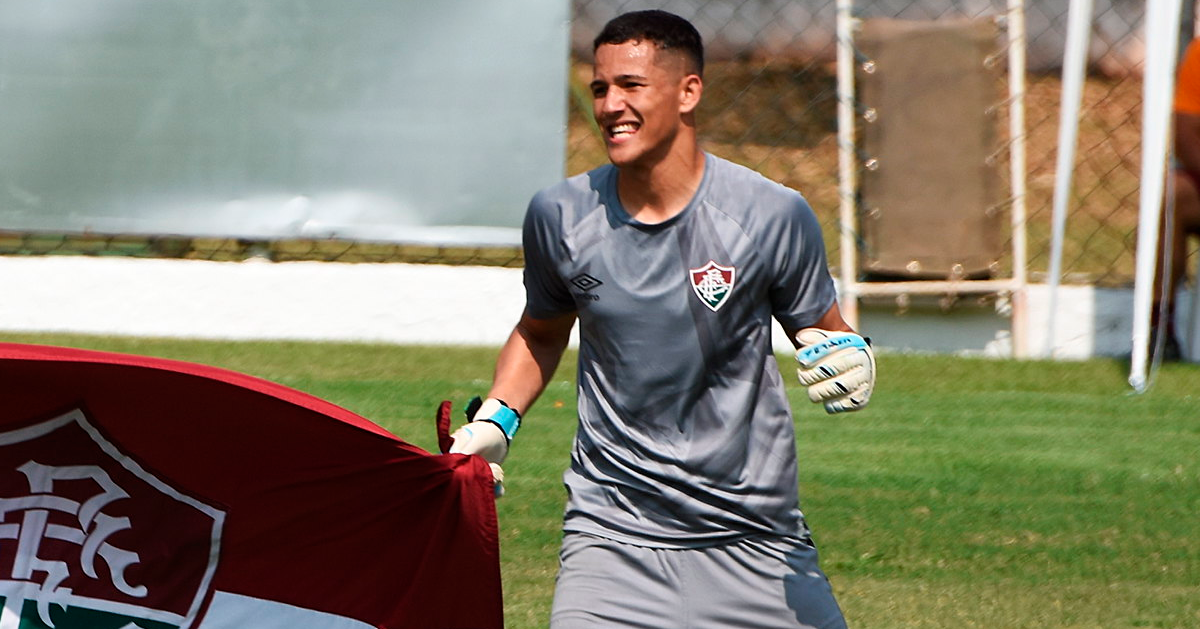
621 78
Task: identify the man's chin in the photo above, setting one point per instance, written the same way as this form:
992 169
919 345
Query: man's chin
619 156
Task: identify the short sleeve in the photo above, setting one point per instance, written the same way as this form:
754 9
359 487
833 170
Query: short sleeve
1187 87
546 296
802 289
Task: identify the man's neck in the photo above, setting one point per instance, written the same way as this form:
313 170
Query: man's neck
658 192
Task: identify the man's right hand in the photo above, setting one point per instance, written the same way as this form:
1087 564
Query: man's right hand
483 434
483 438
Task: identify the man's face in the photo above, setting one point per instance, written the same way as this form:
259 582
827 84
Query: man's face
637 100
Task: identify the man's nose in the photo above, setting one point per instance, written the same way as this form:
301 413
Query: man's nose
613 101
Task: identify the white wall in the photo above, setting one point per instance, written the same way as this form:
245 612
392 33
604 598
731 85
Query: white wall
410 304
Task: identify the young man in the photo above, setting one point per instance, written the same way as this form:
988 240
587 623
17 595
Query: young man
682 505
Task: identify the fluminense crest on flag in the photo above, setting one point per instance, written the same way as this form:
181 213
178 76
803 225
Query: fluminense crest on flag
74 513
143 493
713 283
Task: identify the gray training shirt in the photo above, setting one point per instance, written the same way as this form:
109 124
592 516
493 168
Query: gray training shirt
685 436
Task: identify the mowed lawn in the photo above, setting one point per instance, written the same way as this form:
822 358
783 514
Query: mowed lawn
972 493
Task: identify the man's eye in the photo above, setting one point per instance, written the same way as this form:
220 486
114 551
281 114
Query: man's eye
599 91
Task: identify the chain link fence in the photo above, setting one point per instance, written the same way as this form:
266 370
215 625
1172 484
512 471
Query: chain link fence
770 103
236 250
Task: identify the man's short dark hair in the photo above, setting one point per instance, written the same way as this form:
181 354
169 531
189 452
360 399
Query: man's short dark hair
666 30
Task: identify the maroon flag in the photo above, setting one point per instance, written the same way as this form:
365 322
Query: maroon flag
146 493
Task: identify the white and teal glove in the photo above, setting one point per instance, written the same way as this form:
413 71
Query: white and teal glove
837 367
489 430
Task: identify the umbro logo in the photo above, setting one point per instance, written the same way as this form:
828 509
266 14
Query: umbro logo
585 282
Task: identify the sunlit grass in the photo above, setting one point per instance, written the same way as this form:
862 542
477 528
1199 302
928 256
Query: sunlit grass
972 493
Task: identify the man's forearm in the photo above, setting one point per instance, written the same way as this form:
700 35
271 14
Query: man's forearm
528 360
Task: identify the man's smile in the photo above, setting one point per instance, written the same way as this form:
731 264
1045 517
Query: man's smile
622 130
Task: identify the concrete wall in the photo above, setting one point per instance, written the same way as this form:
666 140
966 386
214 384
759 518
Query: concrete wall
413 304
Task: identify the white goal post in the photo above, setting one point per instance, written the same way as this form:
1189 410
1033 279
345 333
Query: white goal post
1162 41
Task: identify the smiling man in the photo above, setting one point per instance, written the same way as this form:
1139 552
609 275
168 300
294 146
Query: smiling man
682 501
644 99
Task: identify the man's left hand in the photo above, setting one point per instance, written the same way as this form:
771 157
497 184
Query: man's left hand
837 367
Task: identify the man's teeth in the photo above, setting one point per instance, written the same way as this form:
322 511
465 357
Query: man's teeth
623 128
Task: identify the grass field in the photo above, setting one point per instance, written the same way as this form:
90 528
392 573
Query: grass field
972 493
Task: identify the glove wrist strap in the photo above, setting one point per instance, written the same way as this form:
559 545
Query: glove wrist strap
496 412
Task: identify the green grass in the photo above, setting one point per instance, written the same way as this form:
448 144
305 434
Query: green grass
973 492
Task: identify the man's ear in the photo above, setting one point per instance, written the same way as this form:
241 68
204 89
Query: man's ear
690 90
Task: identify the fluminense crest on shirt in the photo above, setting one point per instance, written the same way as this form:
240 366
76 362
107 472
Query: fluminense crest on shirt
713 283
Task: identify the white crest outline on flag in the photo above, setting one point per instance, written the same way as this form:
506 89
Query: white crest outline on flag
16 591
713 283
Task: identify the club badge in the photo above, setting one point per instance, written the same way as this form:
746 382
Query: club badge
93 539
713 283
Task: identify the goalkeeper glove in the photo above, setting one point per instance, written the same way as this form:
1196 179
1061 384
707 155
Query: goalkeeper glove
837 367
489 430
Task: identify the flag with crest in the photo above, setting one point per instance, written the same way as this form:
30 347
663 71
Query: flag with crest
141 493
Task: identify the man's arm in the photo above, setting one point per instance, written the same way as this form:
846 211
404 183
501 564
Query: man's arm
528 359
832 320
525 365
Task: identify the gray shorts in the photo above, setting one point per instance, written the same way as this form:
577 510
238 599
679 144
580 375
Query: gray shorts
759 582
